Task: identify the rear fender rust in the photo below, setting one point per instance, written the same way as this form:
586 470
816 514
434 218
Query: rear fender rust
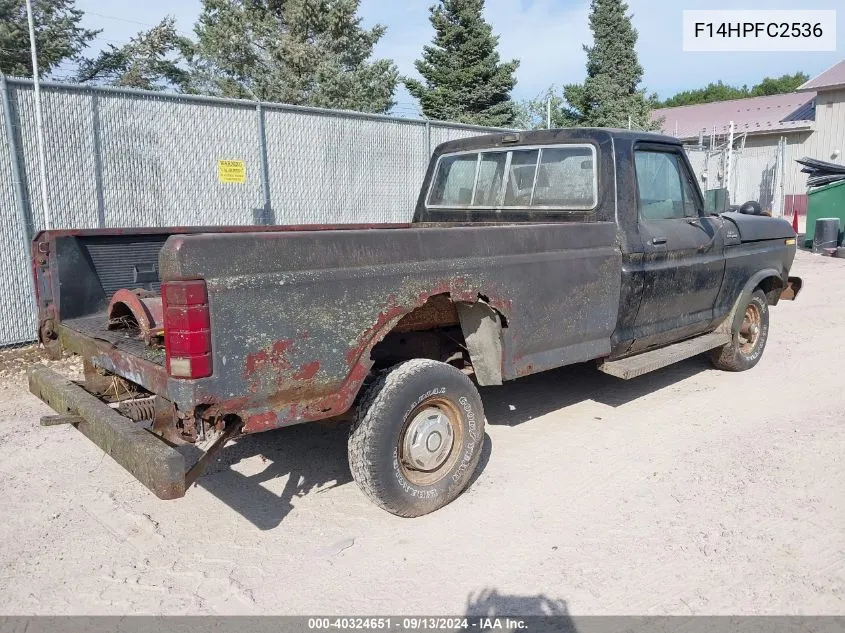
272 416
437 311
455 291
301 395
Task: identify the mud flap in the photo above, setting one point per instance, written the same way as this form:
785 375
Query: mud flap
482 330
150 460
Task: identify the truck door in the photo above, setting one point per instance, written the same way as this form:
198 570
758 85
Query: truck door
683 249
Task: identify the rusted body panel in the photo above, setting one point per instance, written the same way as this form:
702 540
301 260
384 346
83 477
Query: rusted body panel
295 316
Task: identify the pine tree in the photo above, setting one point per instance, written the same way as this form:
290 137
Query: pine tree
58 35
610 96
464 78
149 61
303 52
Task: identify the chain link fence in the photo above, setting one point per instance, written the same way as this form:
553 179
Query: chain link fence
750 173
124 158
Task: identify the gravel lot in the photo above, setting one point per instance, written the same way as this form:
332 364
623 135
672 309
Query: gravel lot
687 491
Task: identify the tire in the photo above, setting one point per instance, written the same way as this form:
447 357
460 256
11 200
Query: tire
748 343
419 410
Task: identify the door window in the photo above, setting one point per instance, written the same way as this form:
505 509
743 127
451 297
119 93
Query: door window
690 199
660 186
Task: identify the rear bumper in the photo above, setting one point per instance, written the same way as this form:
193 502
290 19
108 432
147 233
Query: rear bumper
793 287
150 460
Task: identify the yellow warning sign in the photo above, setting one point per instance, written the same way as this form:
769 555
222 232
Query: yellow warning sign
231 171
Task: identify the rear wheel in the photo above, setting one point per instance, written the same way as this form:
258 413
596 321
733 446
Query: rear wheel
748 343
417 437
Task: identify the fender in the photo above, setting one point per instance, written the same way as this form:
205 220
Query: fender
734 320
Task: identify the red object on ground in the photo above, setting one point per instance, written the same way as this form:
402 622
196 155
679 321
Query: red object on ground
795 221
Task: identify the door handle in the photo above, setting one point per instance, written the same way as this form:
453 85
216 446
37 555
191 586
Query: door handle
658 240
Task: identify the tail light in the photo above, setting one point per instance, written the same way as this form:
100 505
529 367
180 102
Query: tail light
187 329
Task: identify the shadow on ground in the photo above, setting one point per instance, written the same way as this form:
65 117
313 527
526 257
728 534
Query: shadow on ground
313 456
493 611
533 396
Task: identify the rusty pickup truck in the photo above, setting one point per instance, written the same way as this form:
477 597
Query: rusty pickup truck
527 251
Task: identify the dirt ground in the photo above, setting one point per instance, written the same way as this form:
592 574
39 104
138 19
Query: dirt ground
687 491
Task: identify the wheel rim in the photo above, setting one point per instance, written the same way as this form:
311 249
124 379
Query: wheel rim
426 447
749 331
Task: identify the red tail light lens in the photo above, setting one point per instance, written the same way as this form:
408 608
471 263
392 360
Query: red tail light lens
187 333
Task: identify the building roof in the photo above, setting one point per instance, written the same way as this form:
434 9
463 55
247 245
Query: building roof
755 115
832 78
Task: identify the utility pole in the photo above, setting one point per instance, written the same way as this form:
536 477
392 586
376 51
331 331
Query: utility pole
39 120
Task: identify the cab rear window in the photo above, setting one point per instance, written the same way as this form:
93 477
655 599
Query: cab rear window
557 177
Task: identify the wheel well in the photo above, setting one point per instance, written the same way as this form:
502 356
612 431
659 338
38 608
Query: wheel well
431 331
772 287
466 335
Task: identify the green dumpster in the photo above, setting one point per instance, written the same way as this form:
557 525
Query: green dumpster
825 202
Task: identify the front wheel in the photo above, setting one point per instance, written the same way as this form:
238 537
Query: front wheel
748 343
417 437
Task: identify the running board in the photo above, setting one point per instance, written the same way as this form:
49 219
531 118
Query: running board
640 364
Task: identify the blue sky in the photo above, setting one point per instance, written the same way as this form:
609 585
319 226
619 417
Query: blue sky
546 35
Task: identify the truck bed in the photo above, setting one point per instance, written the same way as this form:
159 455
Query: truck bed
125 341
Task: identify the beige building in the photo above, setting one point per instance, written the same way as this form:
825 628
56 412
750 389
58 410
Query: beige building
769 134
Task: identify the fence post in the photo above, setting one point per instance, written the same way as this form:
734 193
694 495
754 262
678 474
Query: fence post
266 215
428 138
24 215
21 201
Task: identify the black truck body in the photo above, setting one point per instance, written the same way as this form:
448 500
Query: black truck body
563 246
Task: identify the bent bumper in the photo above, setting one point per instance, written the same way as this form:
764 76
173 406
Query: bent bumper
151 461
793 287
